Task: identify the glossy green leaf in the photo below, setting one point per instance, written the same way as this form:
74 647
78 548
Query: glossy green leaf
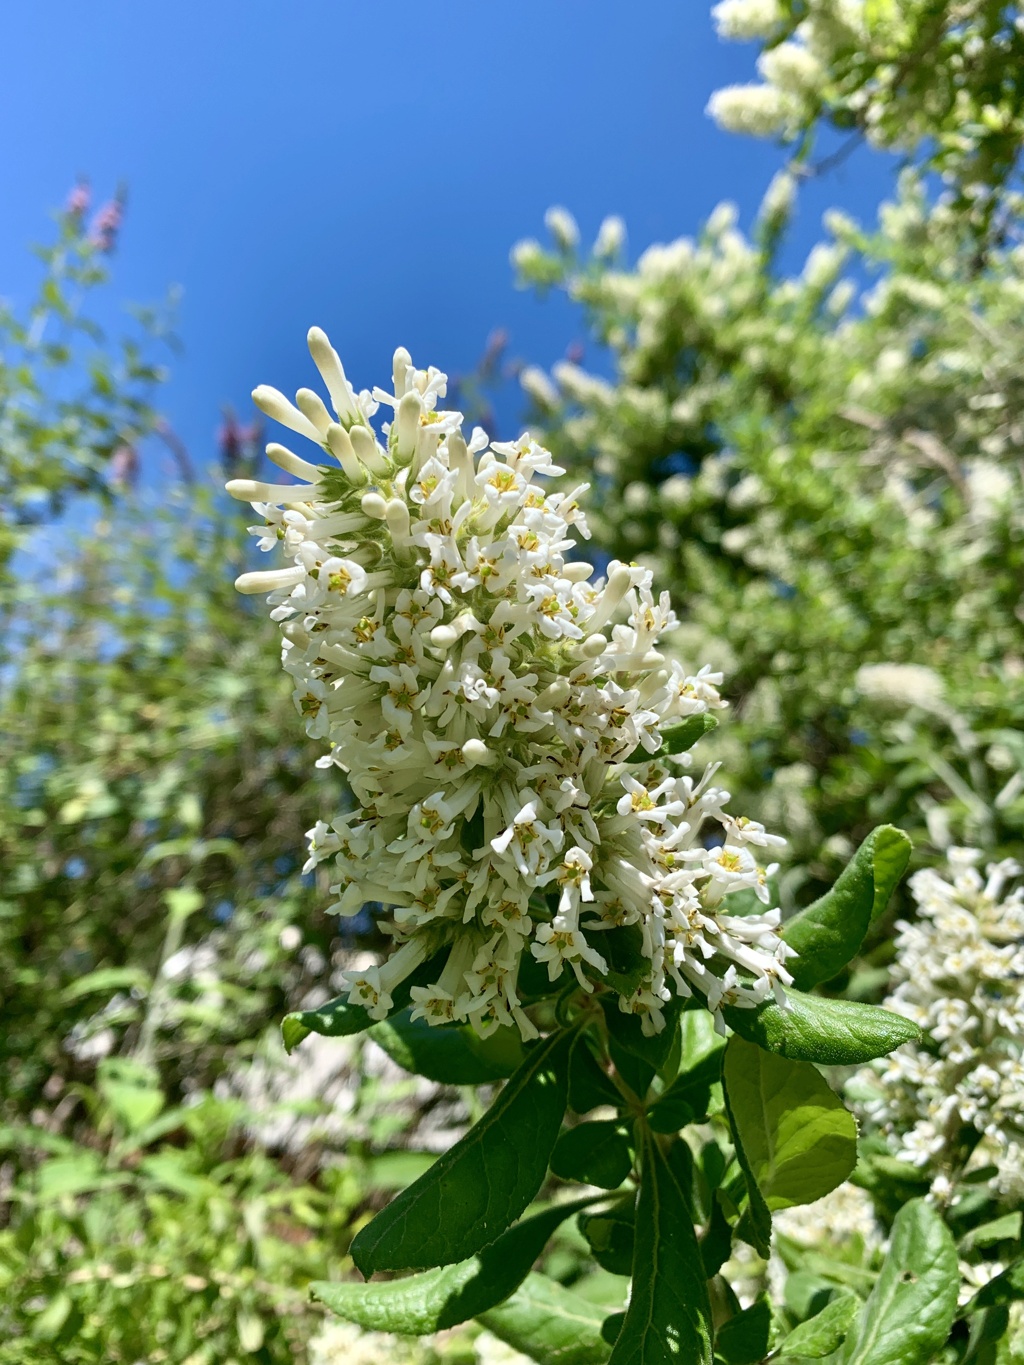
688 1097
815 1029
668 1320
798 1139
824 1333
828 934
437 1299
481 1185
596 1153
678 738
451 1055
743 1339
1004 1229
910 1311
549 1324
756 1225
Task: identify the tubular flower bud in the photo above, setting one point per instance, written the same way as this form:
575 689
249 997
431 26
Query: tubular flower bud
483 693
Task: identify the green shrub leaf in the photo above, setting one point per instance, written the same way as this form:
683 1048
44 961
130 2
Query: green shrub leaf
338 1019
815 1029
480 1186
669 1315
451 1055
677 739
549 1324
442 1298
743 1339
828 934
688 1097
596 1153
798 1140
824 1333
910 1311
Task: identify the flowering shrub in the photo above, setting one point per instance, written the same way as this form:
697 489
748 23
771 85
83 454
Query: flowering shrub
501 735
910 75
956 1102
561 912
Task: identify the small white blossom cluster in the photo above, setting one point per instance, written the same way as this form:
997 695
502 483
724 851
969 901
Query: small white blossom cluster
959 974
474 683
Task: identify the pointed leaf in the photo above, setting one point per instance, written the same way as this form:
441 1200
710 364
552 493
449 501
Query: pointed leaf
910 1311
451 1055
677 739
816 1029
743 1339
824 1333
595 1153
688 1097
439 1299
828 934
549 1324
482 1184
798 1139
338 1019
610 1236
589 1085
668 1320
756 1225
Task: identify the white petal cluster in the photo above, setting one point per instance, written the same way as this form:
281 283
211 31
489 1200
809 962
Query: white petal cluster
959 974
483 696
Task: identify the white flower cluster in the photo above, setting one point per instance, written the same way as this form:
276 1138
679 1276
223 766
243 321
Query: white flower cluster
959 973
472 682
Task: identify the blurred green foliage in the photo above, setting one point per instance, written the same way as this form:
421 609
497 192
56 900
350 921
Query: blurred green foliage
826 468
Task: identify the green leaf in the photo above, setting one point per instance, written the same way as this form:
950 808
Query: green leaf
438 1299
589 1084
610 1237
669 1315
1004 1229
106 980
449 1055
716 1244
688 1097
677 739
338 1019
132 1090
824 1333
798 1139
549 1324
1006 1287
756 1225
481 1185
595 1153
910 1311
828 934
623 949
815 1029
627 1031
743 1339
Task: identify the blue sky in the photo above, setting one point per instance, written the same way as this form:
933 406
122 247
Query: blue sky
367 166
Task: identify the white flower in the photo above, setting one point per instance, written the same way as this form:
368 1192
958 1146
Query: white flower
959 973
744 20
760 110
482 693
562 226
